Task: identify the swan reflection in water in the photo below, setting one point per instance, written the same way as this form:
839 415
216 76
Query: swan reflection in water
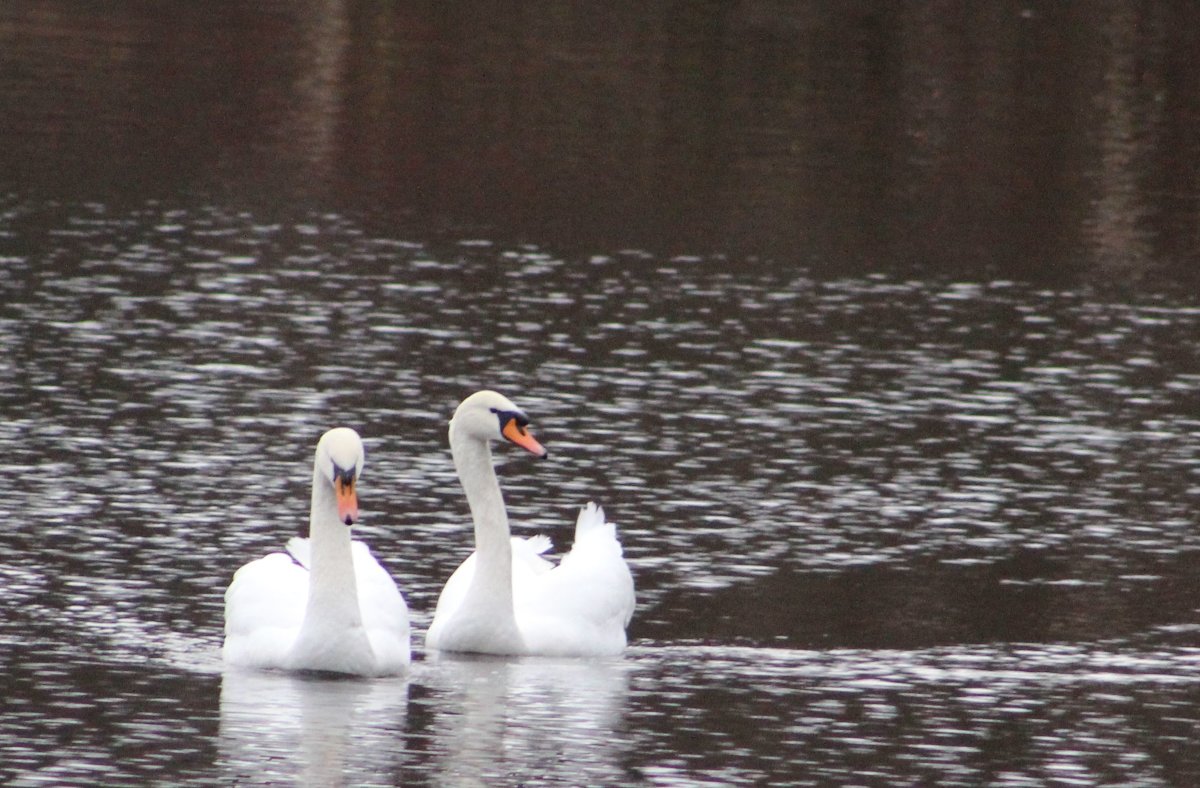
457 719
309 729
528 719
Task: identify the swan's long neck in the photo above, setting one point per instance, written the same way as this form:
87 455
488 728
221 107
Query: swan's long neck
492 584
332 590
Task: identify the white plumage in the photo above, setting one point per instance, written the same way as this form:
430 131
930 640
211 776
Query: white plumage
505 598
325 604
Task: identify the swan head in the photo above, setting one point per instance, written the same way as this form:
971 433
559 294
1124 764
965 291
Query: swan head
339 462
490 416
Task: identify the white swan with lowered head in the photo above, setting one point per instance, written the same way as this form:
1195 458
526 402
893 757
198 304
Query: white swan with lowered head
506 598
326 604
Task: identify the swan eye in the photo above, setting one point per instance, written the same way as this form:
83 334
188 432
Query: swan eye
505 416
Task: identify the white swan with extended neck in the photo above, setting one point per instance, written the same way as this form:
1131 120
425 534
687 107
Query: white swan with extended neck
506 598
326 604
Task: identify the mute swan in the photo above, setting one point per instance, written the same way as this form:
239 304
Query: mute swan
325 604
507 599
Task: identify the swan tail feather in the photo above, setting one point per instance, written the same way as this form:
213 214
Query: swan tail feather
591 521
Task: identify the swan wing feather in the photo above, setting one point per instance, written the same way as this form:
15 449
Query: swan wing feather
299 548
583 605
264 609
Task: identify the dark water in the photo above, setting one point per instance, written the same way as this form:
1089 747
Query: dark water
1022 139
872 330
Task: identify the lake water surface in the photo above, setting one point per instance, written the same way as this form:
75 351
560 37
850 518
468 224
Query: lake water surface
920 529
902 436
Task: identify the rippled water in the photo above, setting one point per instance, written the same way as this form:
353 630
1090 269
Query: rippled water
885 530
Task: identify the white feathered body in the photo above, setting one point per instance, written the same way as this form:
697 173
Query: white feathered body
265 608
578 608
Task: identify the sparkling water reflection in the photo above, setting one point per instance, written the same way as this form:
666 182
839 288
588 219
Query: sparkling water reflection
910 530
